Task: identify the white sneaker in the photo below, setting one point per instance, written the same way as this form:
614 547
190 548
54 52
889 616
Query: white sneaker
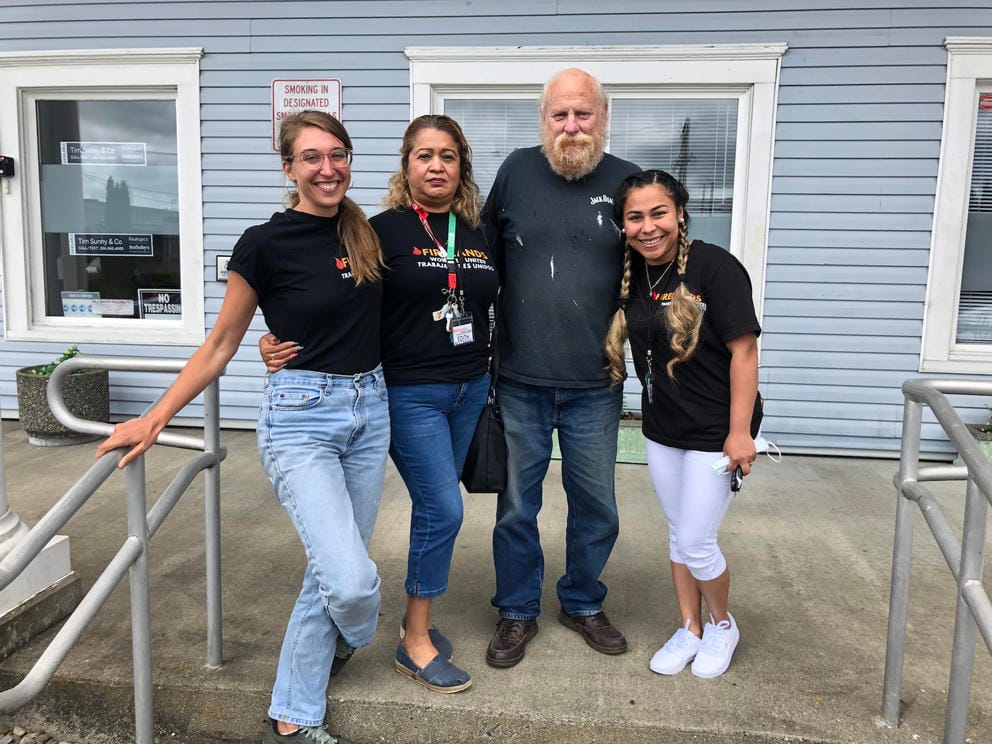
680 649
717 648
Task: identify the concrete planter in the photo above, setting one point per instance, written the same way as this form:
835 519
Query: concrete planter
86 394
984 439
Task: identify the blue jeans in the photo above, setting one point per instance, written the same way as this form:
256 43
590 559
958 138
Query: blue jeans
587 420
323 441
432 426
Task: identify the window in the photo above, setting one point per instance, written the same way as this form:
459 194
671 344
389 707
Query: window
704 113
957 326
106 245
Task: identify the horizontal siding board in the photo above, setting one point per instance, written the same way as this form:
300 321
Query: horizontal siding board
828 240
836 310
855 275
857 326
859 94
848 257
814 112
856 221
839 360
865 185
825 148
854 203
853 168
814 132
816 290
863 57
863 74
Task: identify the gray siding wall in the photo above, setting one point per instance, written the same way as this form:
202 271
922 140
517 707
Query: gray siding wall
858 139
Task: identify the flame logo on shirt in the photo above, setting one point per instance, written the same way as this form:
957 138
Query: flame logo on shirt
416 251
339 263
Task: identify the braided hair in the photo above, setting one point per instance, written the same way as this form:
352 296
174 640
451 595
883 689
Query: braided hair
683 316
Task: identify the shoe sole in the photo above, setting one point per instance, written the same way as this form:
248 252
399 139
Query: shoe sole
507 663
608 650
421 681
670 673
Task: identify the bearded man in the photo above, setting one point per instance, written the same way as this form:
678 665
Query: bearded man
549 217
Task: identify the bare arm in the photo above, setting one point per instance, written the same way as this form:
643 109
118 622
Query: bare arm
739 446
203 367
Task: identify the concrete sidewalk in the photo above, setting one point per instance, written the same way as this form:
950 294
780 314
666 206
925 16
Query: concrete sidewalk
809 542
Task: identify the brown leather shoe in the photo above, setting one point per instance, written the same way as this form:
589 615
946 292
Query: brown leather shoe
597 631
507 646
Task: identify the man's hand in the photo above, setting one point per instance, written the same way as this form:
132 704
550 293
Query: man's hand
275 354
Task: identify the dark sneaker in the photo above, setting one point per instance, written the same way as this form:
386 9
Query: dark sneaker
508 645
597 631
303 735
342 652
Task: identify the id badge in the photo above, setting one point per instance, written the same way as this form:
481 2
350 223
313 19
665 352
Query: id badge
461 330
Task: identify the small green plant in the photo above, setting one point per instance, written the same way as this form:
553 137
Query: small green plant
986 428
47 369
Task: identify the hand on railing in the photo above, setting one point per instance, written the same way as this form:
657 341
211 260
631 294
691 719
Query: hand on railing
137 433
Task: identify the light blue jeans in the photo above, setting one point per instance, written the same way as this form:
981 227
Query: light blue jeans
323 441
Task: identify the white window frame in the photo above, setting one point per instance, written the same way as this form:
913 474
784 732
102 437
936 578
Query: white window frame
172 74
747 71
969 70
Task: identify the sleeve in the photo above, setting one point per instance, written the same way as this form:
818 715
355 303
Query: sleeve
729 304
248 261
491 218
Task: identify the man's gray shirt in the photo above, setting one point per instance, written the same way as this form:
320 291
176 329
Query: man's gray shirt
561 260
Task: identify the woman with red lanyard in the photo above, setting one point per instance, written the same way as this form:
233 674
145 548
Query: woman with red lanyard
439 284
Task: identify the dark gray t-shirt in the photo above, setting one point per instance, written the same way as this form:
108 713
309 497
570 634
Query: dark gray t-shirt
562 257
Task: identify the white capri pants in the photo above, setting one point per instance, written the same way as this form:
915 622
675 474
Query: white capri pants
694 499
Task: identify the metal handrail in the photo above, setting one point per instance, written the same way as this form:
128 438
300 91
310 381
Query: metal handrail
964 558
132 556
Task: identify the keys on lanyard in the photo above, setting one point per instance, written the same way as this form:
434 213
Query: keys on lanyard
649 379
458 322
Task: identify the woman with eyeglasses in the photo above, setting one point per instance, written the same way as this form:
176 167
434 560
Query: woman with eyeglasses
439 284
323 426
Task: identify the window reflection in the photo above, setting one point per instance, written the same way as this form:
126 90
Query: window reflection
109 205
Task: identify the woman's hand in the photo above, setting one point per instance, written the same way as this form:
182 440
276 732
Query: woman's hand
276 355
740 449
139 432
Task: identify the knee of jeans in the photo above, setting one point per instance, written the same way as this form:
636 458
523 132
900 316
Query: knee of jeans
353 593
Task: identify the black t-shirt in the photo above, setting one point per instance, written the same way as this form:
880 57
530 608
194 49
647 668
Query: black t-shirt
417 349
561 260
298 268
694 411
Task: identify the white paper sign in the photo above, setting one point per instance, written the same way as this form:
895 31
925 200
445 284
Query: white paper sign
290 96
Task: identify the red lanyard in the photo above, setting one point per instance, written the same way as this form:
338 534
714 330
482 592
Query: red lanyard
452 264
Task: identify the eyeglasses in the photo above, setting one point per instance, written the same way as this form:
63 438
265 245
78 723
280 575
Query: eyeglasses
340 158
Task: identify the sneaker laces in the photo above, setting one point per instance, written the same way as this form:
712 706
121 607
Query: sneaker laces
507 629
318 734
715 637
681 640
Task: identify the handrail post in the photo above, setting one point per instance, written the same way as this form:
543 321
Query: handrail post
141 641
965 628
902 551
211 435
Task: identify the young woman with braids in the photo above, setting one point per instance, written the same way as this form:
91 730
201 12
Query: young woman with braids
686 308
323 426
